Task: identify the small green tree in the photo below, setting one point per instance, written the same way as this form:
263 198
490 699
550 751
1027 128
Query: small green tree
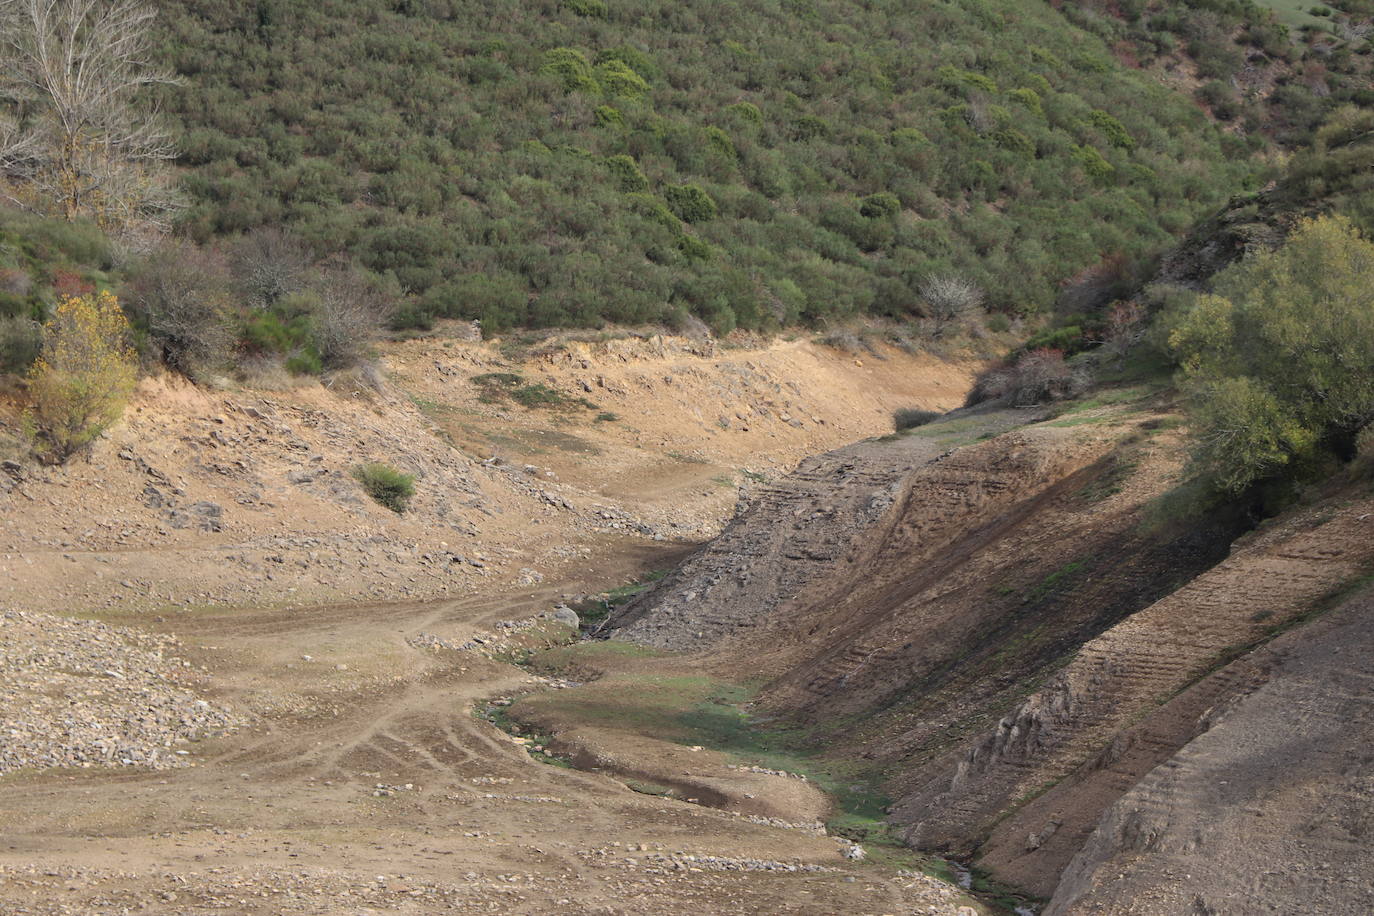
1279 360
79 385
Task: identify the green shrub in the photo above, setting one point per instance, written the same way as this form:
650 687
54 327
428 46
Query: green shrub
883 205
389 487
304 363
1279 361
810 127
626 173
1068 340
720 141
747 112
1013 141
693 248
955 79
594 9
607 116
617 78
633 58
1112 129
654 210
411 317
690 203
1093 163
1028 98
287 320
572 68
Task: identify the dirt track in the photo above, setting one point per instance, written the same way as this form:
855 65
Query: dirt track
285 816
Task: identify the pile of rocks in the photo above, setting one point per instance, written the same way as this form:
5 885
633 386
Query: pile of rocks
425 640
492 644
765 771
79 693
665 863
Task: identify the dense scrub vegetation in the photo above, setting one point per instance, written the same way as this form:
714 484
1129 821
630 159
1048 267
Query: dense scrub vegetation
1265 316
1269 69
753 164
1278 360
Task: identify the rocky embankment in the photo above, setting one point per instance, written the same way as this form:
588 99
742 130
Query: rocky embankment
1269 809
1132 697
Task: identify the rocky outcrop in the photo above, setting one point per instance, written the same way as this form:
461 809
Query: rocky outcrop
790 535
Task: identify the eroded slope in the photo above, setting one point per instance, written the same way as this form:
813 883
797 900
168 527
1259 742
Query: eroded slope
1013 628
1268 810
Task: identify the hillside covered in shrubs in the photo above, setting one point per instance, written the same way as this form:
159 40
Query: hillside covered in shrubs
754 164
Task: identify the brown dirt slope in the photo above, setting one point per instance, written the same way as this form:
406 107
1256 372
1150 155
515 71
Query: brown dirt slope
207 497
1272 578
1010 632
1268 810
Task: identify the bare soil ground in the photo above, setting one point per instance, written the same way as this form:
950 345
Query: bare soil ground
350 773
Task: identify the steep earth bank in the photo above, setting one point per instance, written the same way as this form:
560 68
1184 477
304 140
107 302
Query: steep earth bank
1014 626
1269 809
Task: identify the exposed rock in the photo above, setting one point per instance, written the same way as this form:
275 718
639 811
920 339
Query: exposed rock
78 693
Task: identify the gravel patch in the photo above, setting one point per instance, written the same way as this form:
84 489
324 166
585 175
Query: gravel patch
80 693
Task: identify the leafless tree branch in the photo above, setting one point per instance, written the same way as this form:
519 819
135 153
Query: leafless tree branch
73 140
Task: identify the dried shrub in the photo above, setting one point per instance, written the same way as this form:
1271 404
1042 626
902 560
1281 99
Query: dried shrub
1035 377
949 299
912 417
181 296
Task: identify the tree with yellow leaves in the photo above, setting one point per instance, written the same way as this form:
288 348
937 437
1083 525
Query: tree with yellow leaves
80 384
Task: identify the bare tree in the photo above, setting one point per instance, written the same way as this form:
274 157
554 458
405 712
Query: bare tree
1124 327
182 295
269 264
73 140
949 298
353 310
